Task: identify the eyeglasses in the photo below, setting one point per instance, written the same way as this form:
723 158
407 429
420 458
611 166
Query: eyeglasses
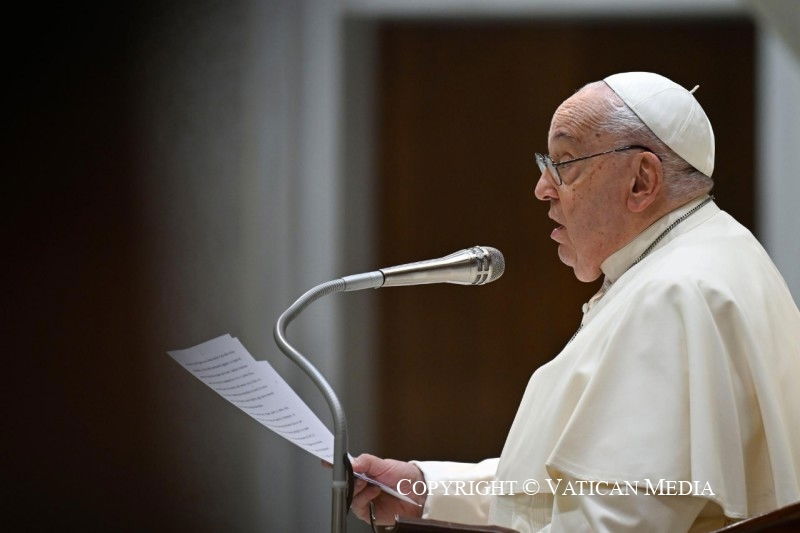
546 164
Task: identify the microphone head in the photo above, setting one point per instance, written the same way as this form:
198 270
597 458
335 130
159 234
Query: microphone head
492 264
471 266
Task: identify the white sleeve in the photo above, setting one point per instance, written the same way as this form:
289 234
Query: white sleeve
623 513
445 501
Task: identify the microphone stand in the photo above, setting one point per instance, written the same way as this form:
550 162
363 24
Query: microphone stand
339 486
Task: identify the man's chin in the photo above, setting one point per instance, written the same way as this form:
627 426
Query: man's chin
568 256
585 275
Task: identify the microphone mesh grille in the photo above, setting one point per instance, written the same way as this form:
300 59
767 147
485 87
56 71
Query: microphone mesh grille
497 262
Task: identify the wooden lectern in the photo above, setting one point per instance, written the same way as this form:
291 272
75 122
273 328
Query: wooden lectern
783 520
421 525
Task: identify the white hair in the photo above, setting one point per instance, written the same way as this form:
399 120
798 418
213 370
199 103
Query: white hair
681 180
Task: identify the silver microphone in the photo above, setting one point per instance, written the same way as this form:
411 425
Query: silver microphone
472 266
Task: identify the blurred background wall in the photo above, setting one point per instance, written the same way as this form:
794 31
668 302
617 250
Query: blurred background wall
178 170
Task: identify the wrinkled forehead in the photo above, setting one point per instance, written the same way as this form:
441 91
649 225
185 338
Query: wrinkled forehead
579 122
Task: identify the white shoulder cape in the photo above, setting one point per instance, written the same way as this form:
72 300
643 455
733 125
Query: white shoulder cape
687 369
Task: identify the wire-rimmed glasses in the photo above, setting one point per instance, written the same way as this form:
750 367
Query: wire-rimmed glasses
544 162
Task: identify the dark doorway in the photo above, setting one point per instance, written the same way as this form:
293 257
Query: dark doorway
463 107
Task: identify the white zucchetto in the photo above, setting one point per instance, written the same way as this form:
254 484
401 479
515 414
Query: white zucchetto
671 112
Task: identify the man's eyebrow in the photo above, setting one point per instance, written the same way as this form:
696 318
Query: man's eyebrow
563 134
566 141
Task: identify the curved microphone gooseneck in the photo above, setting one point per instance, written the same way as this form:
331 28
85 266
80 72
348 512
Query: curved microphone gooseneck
473 266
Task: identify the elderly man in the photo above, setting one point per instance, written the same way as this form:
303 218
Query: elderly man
675 406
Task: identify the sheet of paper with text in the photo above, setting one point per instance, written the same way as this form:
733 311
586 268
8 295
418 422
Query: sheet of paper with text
226 366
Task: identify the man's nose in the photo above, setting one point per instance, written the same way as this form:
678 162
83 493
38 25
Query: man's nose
545 189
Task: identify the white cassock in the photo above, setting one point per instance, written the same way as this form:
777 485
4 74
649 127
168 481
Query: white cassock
686 368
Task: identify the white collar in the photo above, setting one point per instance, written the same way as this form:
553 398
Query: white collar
620 261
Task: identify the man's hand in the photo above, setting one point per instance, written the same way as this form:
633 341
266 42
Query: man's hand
389 472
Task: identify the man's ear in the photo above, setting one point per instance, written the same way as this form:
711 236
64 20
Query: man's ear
647 181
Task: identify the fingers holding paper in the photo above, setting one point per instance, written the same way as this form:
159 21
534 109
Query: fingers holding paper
396 475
